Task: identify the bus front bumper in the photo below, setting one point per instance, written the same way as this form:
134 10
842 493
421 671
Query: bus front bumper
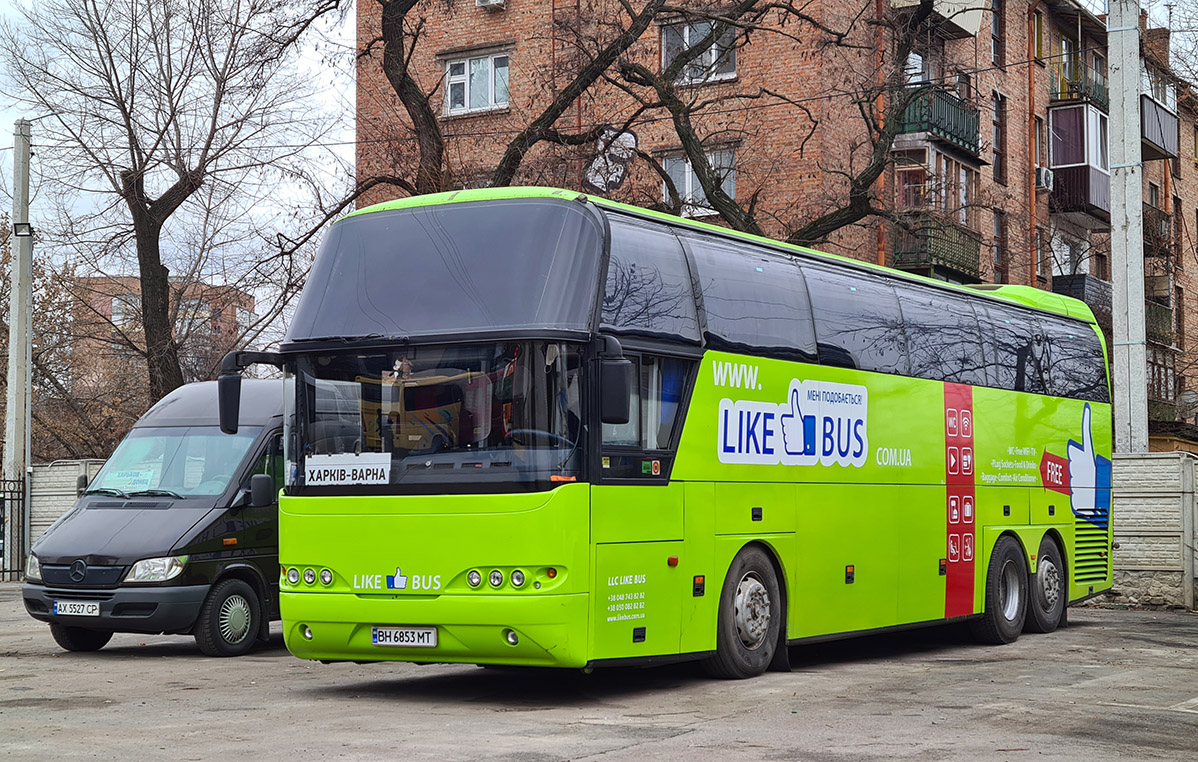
550 630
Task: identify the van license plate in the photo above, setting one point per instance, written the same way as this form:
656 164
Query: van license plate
411 637
77 608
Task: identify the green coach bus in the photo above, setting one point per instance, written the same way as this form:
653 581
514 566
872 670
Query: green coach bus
527 426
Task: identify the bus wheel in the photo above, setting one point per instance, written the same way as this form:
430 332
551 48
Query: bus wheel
228 623
1046 607
79 638
750 618
1006 595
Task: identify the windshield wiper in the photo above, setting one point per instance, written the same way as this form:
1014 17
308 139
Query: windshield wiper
105 491
156 493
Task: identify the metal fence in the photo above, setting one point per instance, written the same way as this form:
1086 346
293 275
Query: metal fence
12 529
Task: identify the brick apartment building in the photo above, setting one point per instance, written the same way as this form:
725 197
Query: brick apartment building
209 321
1000 171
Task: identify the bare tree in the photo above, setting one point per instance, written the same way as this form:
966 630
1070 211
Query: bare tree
176 115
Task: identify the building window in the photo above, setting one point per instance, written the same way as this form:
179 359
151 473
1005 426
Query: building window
964 87
997 33
1000 138
911 177
1041 158
998 246
718 62
1154 195
958 191
918 70
1161 374
126 308
476 84
690 191
1068 59
1041 32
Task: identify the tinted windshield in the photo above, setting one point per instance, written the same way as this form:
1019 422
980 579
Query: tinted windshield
187 460
450 268
496 417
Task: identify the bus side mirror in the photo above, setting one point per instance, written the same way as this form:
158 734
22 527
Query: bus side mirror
615 390
262 490
228 393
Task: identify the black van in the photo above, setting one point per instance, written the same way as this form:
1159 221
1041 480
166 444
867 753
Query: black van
177 534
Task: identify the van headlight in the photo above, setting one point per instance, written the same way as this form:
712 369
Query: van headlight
33 569
157 569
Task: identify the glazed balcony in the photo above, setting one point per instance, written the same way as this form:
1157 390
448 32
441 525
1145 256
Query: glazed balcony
938 248
1082 193
945 117
1158 130
1076 81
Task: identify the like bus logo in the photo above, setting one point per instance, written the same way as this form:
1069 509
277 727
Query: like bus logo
1089 477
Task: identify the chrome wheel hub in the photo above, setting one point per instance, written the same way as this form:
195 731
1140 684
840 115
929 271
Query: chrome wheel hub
752 606
1049 576
234 619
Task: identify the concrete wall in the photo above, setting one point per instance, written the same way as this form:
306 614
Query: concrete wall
52 491
1154 516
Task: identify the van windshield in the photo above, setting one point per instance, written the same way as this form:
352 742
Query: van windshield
186 460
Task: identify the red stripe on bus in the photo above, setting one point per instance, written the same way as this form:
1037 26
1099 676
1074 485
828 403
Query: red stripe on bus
960 500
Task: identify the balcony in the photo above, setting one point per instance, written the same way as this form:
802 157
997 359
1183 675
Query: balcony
943 115
1158 232
1158 130
954 19
1158 323
938 248
1082 194
1076 81
1096 293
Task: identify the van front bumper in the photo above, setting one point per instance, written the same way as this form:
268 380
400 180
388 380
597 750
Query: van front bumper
149 610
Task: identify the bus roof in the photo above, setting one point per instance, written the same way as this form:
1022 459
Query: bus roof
1027 296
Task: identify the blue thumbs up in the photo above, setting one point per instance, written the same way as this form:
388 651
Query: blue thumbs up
798 430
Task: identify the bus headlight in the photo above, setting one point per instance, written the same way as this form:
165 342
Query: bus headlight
474 579
33 569
157 569
326 577
293 576
310 576
518 578
496 578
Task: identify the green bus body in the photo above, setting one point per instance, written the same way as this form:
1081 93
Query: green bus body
878 497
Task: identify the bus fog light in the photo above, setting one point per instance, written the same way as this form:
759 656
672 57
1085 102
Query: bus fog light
306 631
310 576
326 577
518 578
293 576
474 579
511 637
496 578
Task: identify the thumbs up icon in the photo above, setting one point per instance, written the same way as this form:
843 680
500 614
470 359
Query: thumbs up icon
1082 470
397 581
798 430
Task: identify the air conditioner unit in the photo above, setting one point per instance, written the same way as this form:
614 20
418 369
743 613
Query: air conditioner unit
1043 178
492 5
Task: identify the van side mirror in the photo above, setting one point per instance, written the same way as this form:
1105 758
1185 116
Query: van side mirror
615 390
80 484
228 395
262 490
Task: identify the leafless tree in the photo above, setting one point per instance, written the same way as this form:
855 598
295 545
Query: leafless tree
166 125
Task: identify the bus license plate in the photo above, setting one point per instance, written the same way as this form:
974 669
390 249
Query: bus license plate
77 608
411 637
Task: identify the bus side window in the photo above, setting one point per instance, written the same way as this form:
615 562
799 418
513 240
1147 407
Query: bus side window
655 413
648 284
1018 348
942 336
1078 367
857 320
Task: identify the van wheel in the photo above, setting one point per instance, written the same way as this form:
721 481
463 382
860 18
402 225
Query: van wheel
750 618
1006 595
1046 607
79 638
229 619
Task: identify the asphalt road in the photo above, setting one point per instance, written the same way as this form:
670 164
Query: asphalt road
1113 685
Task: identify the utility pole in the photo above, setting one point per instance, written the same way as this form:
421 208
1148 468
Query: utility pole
20 352
1127 230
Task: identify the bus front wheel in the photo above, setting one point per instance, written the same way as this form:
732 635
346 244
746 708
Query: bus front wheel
1046 607
1006 595
750 618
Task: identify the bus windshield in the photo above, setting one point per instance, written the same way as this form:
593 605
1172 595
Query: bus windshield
185 460
502 416
439 270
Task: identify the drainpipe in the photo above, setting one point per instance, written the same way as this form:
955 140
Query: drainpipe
1031 140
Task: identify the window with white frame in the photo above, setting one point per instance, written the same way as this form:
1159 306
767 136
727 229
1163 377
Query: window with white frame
716 63
476 84
690 191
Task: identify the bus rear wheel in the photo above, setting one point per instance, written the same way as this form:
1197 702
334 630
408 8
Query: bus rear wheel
1046 607
750 618
1006 595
